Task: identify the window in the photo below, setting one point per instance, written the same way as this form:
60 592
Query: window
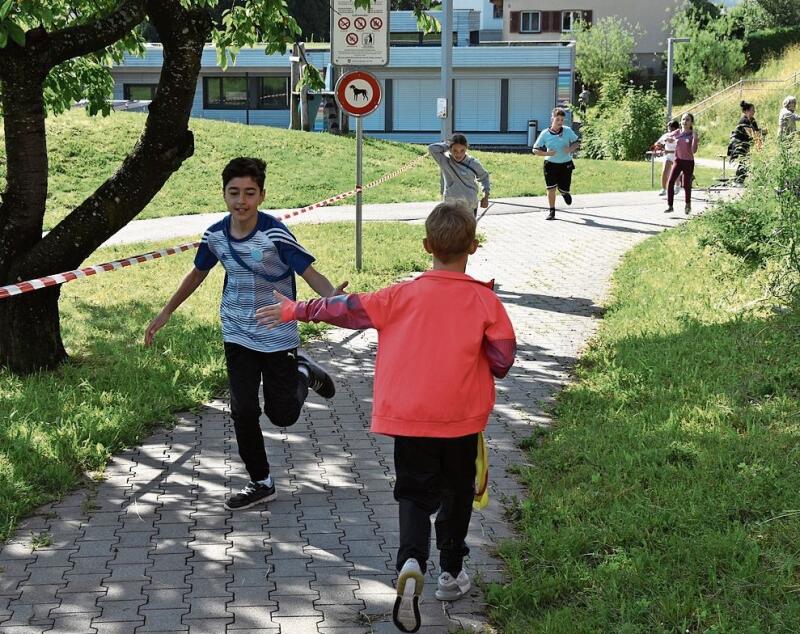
412 38
568 18
228 93
272 93
139 92
497 10
530 22
259 92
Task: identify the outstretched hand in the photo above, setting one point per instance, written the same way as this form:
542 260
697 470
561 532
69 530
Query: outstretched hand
270 316
157 324
339 290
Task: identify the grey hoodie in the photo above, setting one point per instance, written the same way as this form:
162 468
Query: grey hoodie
460 178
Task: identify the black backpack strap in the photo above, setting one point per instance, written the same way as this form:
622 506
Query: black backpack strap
237 258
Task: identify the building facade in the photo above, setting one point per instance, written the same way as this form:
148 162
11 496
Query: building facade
497 89
538 20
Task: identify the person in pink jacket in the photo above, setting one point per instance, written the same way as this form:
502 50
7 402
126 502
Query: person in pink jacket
442 338
685 147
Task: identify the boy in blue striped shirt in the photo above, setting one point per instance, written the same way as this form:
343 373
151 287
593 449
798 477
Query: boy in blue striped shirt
260 255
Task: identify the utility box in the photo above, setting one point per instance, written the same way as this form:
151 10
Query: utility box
533 131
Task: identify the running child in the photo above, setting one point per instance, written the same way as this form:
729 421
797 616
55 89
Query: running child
557 144
260 255
667 143
441 339
686 145
461 172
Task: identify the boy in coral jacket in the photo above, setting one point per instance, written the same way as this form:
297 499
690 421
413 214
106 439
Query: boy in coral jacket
442 337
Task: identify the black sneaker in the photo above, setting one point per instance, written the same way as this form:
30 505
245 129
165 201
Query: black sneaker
318 380
567 197
551 215
669 210
252 494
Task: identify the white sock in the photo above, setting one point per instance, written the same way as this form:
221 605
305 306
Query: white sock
267 482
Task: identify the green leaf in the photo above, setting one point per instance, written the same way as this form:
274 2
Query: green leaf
16 33
3 36
5 7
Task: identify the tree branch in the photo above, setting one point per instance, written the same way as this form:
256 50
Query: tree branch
165 143
87 38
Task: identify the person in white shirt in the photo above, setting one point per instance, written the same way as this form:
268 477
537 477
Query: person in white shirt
788 118
666 144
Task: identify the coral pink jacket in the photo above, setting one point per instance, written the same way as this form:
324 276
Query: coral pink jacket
441 339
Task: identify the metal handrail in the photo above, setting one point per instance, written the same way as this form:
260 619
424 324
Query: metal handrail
712 100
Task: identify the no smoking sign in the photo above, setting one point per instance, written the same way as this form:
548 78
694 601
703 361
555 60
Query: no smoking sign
360 34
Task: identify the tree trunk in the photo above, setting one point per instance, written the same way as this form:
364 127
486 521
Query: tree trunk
30 335
30 332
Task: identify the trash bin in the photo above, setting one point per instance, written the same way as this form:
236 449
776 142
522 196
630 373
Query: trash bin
533 131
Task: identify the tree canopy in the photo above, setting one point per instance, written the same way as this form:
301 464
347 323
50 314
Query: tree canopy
604 48
54 52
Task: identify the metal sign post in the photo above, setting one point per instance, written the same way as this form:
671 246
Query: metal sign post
358 93
359 218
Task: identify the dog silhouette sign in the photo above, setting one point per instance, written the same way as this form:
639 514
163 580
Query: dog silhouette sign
358 93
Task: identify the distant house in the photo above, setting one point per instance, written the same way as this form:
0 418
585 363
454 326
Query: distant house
497 89
491 17
532 20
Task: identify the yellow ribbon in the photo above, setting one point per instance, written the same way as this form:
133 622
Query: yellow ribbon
481 499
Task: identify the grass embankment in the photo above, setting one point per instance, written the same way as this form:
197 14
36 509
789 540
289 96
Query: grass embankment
57 425
667 496
715 124
303 167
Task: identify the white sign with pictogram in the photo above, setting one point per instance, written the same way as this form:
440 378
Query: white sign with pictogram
358 93
360 36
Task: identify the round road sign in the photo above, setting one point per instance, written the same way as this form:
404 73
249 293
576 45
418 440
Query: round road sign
360 23
344 23
358 93
376 23
351 39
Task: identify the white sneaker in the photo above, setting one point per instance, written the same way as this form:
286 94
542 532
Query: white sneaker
452 588
406 606
663 192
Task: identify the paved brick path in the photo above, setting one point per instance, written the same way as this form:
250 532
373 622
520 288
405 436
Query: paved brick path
151 548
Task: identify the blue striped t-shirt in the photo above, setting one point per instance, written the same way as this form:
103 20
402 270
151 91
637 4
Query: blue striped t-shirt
271 256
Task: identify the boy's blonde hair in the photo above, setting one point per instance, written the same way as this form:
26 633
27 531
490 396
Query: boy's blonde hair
450 230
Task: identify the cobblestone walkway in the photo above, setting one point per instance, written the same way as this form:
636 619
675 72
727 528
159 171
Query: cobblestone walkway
151 549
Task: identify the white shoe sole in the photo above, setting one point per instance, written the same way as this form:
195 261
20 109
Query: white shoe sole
451 594
268 498
406 614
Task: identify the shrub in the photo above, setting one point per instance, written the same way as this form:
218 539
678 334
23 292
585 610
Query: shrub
763 225
770 42
712 57
624 123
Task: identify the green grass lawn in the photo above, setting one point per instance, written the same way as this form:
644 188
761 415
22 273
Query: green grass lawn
667 496
303 167
113 390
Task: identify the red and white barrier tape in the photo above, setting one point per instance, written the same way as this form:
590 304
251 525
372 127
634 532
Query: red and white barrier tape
69 276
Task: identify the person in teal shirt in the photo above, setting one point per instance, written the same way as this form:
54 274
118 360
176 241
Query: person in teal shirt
557 144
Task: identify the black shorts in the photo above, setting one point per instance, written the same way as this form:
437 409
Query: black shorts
558 175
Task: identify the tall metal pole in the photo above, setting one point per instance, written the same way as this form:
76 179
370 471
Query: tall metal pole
670 61
359 143
447 65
